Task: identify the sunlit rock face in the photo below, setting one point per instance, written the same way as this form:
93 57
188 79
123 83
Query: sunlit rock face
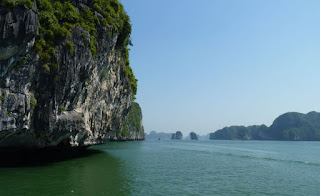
81 102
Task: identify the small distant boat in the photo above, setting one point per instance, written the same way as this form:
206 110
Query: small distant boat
159 139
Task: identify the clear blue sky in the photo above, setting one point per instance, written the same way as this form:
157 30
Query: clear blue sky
206 64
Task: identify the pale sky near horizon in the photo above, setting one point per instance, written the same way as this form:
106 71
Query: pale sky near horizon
206 64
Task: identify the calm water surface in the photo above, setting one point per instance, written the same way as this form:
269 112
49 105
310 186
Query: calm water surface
174 168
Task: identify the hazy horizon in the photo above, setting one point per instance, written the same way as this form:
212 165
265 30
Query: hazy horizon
204 66
203 133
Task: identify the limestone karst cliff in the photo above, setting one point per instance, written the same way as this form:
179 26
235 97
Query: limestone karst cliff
193 136
291 126
177 136
65 79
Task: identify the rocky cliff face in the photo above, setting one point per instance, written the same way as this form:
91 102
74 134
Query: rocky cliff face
80 100
177 136
131 127
193 136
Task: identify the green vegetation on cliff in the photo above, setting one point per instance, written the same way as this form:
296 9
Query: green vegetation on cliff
57 19
123 131
16 3
132 124
240 133
296 126
289 126
134 117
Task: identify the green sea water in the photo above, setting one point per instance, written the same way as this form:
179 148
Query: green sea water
172 168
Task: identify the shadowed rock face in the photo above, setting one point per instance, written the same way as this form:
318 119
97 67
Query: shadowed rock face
80 103
177 136
193 136
17 28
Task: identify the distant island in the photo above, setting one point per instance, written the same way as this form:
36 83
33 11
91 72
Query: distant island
177 136
153 135
193 136
291 126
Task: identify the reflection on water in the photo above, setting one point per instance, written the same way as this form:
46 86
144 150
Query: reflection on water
169 168
91 172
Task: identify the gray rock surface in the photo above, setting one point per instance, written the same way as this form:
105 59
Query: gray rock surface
17 28
80 103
